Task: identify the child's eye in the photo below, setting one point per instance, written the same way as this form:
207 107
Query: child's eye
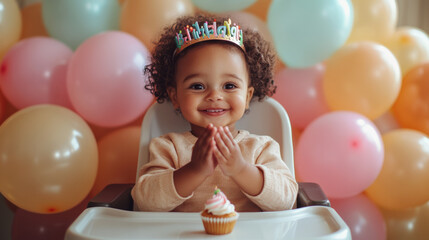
197 86
230 86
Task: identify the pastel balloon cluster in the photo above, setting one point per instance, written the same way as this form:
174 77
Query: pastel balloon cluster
354 84
71 79
358 103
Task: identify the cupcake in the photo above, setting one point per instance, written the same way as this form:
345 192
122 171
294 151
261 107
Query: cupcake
219 216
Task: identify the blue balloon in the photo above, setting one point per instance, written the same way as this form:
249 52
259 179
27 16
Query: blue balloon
74 21
306 32
217 6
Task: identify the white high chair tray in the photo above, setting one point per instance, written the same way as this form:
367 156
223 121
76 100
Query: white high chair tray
314 222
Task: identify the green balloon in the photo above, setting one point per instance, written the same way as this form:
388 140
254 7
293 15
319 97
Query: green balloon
74 21
306 32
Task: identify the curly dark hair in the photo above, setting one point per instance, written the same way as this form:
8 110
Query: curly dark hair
260 59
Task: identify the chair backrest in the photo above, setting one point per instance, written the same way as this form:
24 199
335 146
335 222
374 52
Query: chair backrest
264 118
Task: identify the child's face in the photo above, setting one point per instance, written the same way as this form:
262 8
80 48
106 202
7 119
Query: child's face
212 86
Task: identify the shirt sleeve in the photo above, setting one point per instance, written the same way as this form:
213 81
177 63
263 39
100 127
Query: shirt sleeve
154 189
280 188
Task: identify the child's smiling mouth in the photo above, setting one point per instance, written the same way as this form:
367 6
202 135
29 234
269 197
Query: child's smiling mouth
214 111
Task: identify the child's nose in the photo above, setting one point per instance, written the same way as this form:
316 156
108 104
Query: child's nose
214 95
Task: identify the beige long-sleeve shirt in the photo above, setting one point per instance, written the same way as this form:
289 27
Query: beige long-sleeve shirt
155 190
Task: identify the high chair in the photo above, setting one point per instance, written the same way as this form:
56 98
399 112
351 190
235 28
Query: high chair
110 214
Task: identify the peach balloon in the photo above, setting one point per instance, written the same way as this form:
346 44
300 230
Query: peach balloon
32 21
374 20
402 182
411 108
363 77
407 223
118 154
145 19
259 9
10 25
48 159
410 47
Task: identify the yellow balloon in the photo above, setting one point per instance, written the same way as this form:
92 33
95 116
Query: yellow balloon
410 47
374 20
32 21
10 25
405 173
48 160
146 19
363 77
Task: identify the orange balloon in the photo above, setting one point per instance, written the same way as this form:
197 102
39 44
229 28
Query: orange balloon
32 21
118 154
10 25
48 159
146 19
411 108
405 173
260 9
410 47
363 77
374 20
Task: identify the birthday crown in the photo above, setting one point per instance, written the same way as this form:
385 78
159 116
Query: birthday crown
195 33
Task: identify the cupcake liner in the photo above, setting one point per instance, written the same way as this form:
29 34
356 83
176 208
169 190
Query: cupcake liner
219 225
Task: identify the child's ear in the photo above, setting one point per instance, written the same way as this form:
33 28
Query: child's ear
250 91
172 94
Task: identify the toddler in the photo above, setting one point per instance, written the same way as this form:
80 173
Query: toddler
210 69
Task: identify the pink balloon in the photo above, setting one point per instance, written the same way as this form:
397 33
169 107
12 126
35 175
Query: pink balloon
105 79
363 217
34 72
342 151
301 94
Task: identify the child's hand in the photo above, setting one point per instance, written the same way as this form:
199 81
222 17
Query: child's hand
228 153
202 154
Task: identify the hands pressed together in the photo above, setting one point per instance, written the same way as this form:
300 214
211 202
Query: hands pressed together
216 147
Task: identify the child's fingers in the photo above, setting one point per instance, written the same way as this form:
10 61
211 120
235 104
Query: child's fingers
206 136
219 156
220 144
226 138
229 134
